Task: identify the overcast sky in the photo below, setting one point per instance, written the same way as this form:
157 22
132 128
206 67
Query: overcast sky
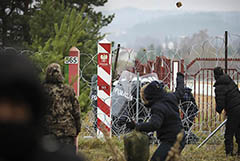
188 5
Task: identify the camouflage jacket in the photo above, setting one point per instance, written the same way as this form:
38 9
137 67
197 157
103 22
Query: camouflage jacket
62 117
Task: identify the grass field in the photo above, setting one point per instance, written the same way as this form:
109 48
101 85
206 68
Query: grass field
99 150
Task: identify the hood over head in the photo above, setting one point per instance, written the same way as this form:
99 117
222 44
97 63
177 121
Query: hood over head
152 92
54 74
218 71
223 79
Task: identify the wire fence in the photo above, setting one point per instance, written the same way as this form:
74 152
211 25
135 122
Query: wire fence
197 62
196 59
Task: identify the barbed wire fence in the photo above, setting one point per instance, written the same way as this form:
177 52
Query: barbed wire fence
205 56
199 61
124 99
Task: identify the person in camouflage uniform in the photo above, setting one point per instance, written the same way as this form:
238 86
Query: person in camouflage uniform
62 117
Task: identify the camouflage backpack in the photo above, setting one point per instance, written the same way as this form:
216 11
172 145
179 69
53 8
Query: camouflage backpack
136 146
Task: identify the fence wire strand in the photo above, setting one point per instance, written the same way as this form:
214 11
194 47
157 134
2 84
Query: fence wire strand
204 56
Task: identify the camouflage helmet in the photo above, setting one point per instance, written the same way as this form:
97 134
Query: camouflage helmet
54 74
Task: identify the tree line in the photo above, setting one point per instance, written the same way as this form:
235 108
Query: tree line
49 28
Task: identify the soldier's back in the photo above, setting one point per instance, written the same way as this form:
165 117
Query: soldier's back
58 119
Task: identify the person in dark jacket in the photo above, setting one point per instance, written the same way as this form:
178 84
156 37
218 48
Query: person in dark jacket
227 96
189 108
165 117
22 102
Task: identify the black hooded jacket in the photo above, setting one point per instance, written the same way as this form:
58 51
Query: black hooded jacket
189 105
227 94
165 117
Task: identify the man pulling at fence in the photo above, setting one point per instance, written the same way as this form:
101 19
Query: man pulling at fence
228 98
189 108
62 118
165 117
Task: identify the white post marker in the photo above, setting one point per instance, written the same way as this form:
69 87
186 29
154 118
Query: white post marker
175 70
104 81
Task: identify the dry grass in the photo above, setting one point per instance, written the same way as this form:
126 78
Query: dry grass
117 155
111 149
206 153
99 150
106 148
207 117
174 153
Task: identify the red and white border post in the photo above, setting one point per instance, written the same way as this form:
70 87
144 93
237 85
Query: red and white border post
104 81
72 64
72 69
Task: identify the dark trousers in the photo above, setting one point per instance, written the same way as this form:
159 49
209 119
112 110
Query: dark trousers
232 129
162 151
68 144
65 144
70 140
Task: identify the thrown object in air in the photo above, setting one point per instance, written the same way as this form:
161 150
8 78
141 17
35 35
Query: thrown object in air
179 4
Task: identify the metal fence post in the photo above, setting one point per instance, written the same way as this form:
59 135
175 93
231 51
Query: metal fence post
137 106
226 51
115 63
213 133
